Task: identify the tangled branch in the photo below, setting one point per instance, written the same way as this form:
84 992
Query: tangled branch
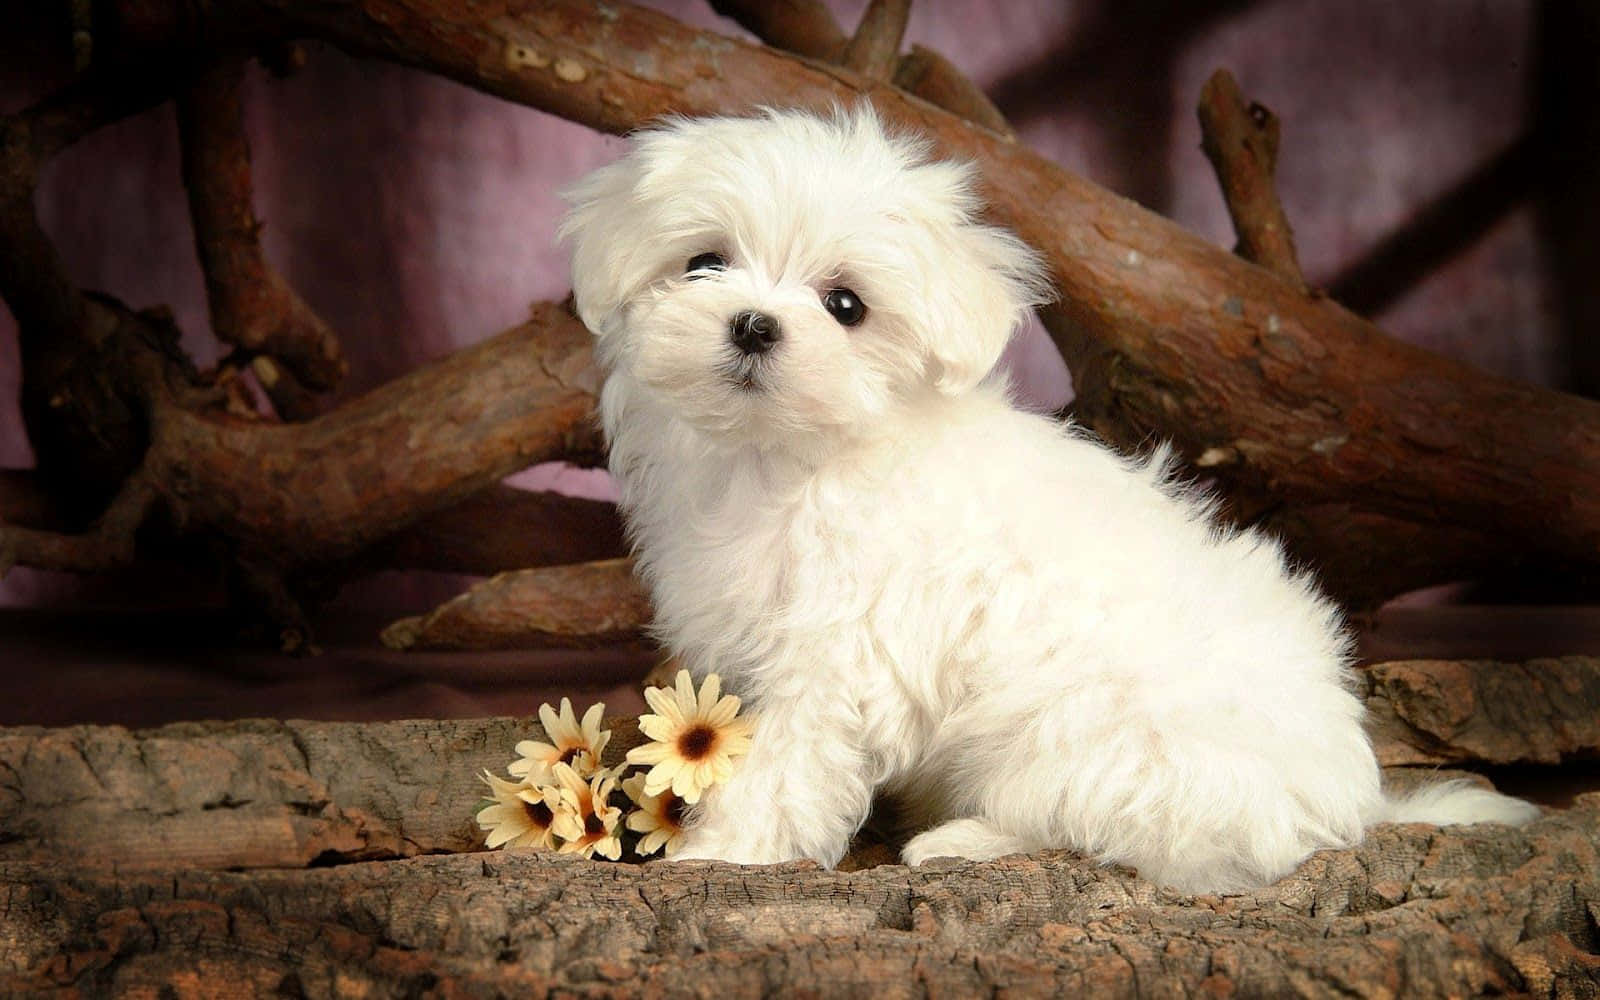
1307 414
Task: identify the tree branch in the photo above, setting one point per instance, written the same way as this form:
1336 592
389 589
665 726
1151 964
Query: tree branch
1450 712
117 879
874 50
589 604
252 307
1288 394
807 27
502 529
1162 331
1241 141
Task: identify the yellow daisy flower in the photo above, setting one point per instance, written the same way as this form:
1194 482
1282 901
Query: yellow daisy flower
695 739
578 745
585 820
519 816
659 818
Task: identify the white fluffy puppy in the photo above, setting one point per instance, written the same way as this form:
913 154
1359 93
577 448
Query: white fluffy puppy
1029 640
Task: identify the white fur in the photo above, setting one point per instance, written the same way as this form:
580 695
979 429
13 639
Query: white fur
1028 639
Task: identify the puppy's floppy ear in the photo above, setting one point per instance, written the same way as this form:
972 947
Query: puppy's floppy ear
981 283
603 227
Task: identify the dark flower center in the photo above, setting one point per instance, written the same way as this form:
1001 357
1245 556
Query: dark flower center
592 825
570 754
673 810
695 743
538 813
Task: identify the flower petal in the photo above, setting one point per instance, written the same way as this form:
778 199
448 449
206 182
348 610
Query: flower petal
684 689
723 712
591 721
649 753
659 728
665 705
659 778
709 692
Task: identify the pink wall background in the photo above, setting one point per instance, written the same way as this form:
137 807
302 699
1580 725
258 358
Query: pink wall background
418 216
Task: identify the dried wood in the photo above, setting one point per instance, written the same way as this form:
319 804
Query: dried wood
1290 393
123 425
502 529
588 604
259 793
252 306
1543 711
1240 139
874 50
115 871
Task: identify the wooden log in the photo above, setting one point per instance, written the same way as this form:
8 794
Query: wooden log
273 794
1453 711
504 528
1413 912
583 605
254 793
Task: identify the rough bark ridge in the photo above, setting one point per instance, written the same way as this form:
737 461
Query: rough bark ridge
1413 912
584 605
262 794
1450 712
292 856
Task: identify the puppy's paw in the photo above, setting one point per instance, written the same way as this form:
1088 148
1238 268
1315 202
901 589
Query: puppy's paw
973 838
699 847
706 848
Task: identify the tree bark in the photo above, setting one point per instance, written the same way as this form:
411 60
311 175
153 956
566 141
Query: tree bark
1277 391
283 498
1449 712
251 305
1413 912
1241 141
589 604
1288 392
257 793
502 529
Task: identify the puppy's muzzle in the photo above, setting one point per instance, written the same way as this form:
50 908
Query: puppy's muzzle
754 333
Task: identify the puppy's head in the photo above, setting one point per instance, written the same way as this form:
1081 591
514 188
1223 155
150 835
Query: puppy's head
777 277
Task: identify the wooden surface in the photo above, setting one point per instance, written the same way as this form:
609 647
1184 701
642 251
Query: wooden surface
228 858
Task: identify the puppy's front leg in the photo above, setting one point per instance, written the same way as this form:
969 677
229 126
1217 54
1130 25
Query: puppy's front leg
801 792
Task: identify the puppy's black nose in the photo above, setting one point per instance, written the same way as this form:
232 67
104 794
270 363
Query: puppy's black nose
754 333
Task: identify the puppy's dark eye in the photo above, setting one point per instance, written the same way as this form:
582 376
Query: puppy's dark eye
844 305
705 262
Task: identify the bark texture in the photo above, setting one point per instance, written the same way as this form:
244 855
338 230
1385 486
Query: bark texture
1274 391
1413 912
302 858
260 793
588 604
251 305
1286 391
1452 711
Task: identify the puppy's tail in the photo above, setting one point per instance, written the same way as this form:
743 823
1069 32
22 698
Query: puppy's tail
1455 802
